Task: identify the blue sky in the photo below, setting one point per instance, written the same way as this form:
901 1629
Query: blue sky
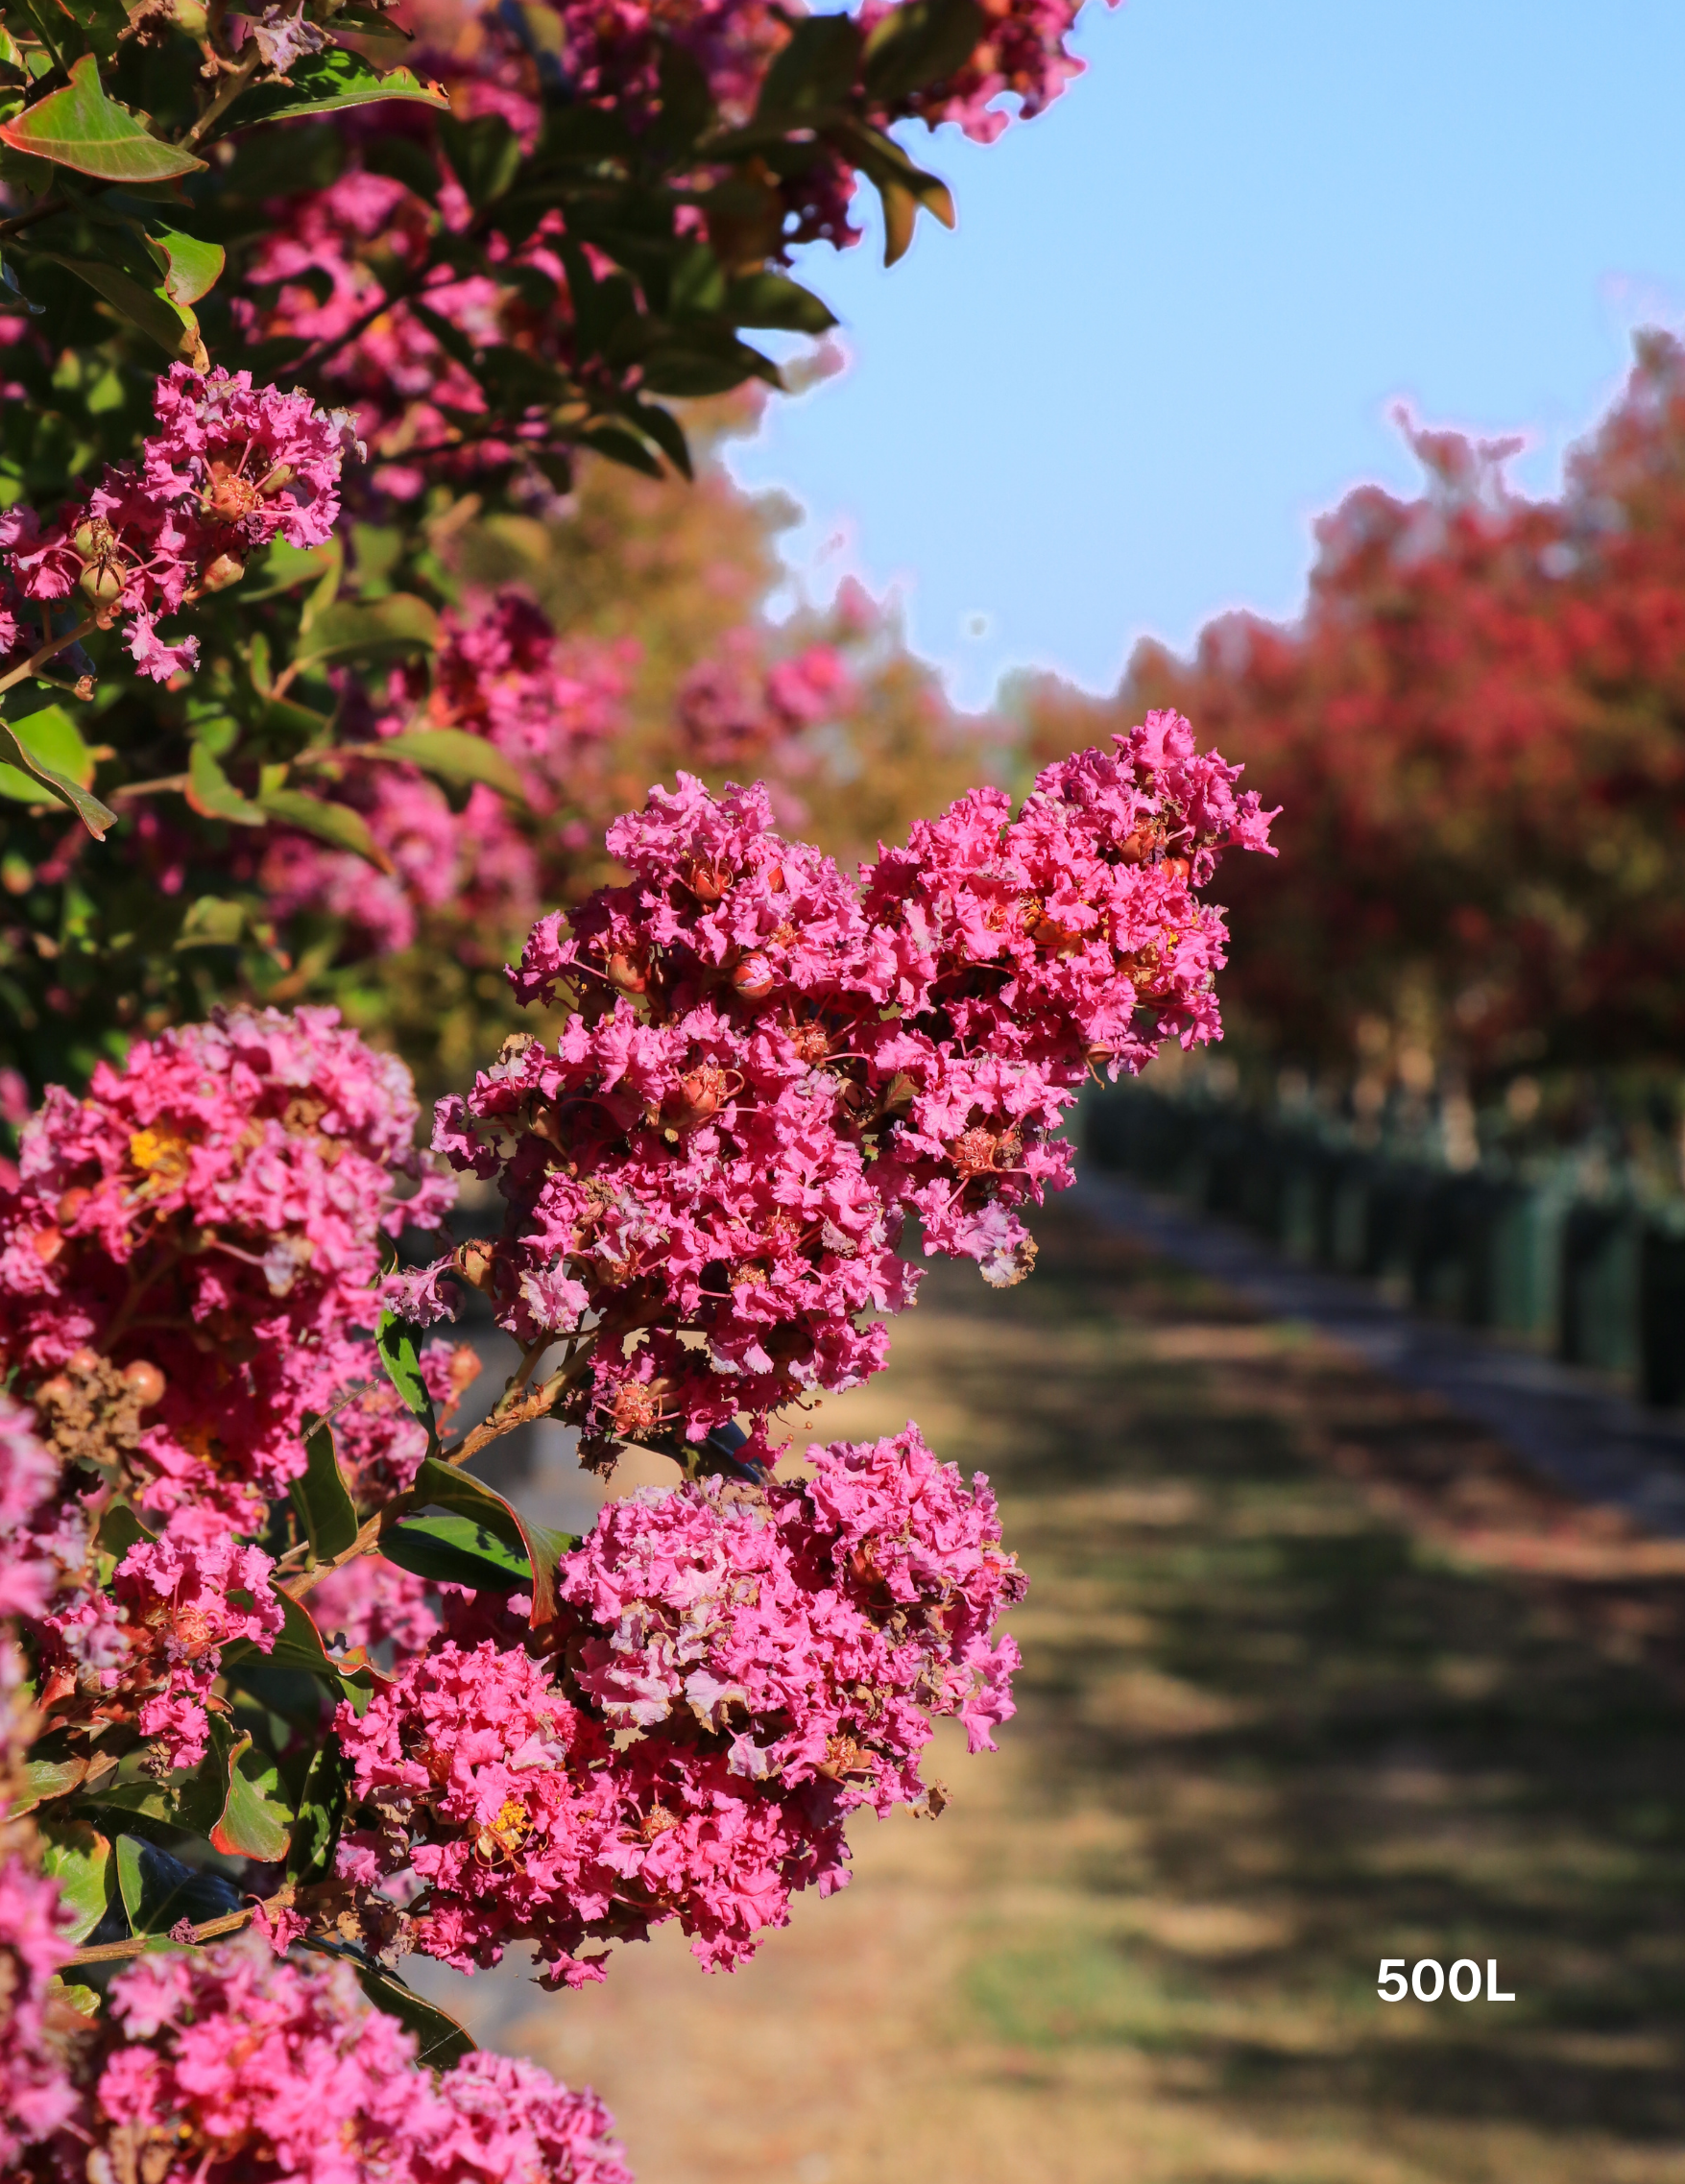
1182 305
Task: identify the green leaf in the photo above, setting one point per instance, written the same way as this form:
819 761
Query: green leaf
299 1646
454 755
322 1497
396 1341
255 1822
174 328
322 1804
29 743
440 2040
153 1901
322 84
80 128
667 433
814 73
398 626
78 1858
456 1550
44 1779
771 299
283 568
334 822
902 185
484 155
200 1800
919 43
211 921
697 361
192 268
464 1495
615 444
213 796
120 1530
57 740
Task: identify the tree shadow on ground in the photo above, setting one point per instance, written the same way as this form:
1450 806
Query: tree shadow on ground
1309 1737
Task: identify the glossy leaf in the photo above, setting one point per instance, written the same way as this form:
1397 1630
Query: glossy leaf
80 128
27 744
457 1492
154 1893
192 268
256 1823
454 755
58 742
322 1497
80 1860
324 83
396 1341
456 1550
299 1646
333 822
322 1804
174 328
44 1779
440 2040
213 796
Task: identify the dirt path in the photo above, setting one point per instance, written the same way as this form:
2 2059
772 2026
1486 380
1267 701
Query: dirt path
1313 1675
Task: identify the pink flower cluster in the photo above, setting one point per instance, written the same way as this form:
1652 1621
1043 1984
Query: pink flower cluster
1017 69
228 2063
768 1069
738 1667
150 1648
230 468
733 709
190 1248
35 2096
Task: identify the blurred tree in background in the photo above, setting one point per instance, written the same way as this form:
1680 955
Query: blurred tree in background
1476 729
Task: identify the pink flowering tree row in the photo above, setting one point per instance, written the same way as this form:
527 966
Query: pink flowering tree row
291 292
290 1696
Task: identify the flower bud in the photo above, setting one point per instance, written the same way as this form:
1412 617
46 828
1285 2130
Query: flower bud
224 571
70 1205
144 1381
476 1264
82 1363
47 1244
628 975
753 978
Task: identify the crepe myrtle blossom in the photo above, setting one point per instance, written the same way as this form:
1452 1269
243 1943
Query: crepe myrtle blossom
767 1068
36 2093
230 469
735 1670
190 1248
225 2063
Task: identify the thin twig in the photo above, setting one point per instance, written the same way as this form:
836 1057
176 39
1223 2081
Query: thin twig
231 88
48 651
135 1944
503 1420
